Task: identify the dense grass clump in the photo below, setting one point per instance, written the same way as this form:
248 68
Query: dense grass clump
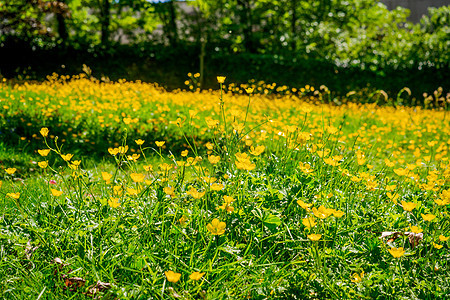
123 190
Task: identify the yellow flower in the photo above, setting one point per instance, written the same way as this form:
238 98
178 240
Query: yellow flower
148 168
337 213
122 149
44 152
10 171
408 206
309 222
401 172
183 220
13 195
169 191
67 157
314 237
221 79
216 227
228 199
184 153
172 276
139 142
322 212
137 177
106 177
396 252
133 192
43 164
442 202
213 159
160 143
257 151
196 276
415 229
44 131
428 217
443 238
304 205
113 151
357 277
437 246
195 194
216 186
113 202
56 193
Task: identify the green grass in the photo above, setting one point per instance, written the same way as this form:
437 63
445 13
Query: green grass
116 236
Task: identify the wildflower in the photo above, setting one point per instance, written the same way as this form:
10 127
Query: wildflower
113 202
137 177
182 220
44 152
401 172
408 206
106 177
216 227
337 213
415 229
309 222
322 212
196 276
67 157
13 195
216 187
56 193
443 238
221 79
209 146
257 151
428 217
117 190
249 90
304 205
357 277
10 171
195 194
132 192
148 168
184 153
123 149
160 143
437 246
396 252
169 191
139 142
213 159
44 131
442 202
113 151
314 237
172 276
43 164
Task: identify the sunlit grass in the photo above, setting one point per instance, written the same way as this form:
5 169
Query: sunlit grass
136 192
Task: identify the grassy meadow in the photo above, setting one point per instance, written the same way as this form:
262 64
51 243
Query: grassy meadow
122 190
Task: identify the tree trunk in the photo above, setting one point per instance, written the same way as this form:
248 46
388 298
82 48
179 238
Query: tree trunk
293 25
173 29
105 20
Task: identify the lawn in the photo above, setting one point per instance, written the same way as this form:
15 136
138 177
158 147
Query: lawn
122 190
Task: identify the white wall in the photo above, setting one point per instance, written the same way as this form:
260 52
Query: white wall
418 8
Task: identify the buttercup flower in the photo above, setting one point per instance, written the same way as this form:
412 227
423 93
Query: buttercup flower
216 227
172 276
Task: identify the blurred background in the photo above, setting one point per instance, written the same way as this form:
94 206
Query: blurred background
345 45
